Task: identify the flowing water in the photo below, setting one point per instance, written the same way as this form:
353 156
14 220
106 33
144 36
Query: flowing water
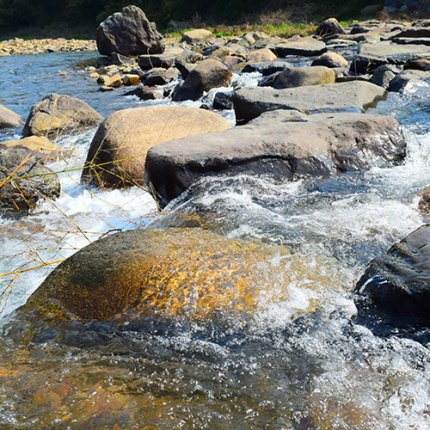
284 369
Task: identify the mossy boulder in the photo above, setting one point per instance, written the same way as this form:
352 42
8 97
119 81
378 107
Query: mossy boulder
187 272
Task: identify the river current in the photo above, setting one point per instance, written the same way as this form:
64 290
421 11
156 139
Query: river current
285 370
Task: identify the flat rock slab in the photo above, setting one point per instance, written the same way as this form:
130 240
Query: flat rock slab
286 144
305 47
394 52
409 41
353 96
395 288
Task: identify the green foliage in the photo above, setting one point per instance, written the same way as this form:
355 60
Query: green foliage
18 14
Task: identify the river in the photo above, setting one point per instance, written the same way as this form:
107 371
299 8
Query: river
286 370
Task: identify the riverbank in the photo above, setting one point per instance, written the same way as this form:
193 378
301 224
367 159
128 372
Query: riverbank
18 46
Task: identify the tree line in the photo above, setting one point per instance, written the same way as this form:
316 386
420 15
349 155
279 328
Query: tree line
18 14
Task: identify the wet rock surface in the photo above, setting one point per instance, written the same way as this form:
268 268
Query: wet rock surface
189 273
277 143
395 288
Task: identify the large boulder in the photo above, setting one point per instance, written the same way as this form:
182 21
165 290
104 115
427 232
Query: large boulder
283 143
130 33
395 288
57 114
356 96
329 27
191 274
118 151
24 180
301 46
301 76
206 75
8 118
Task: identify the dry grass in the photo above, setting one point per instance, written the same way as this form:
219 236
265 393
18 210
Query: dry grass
33 242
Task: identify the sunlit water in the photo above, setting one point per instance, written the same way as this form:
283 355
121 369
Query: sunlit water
283 369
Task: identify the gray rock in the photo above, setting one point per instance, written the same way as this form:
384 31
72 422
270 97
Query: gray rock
164 60
408 41
300 46
363 64
300 76
120 59
395 288
413 32
266 68
383 75
206 75
223 101
57 114
393 53
418 64
399 83
30 182
129 33
281 143
8 118
355 96
160 76
329 27
330 59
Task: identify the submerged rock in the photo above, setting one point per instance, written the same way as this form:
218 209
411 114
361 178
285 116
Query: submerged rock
285 144
57 114
395 288
355 96
8 118
118 151
300 76
206 75
24 180
129 33
187 273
